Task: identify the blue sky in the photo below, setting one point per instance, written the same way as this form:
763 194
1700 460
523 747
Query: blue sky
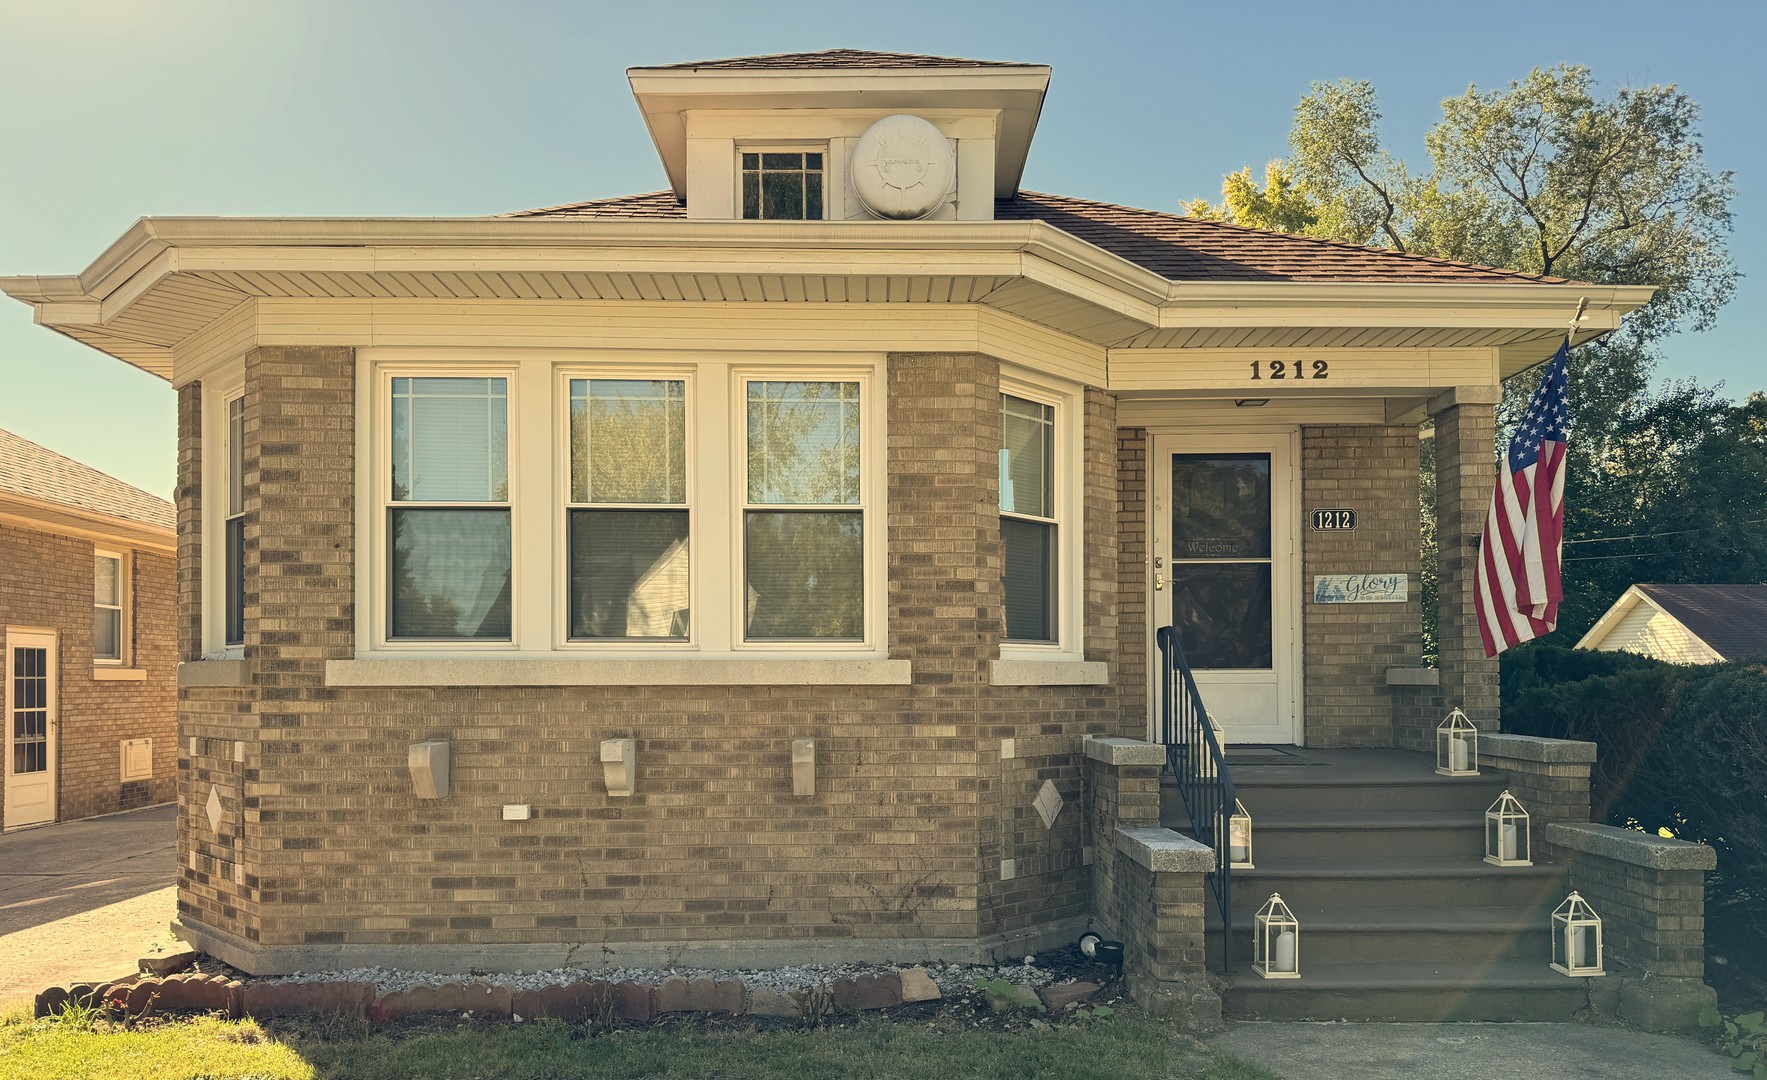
116 109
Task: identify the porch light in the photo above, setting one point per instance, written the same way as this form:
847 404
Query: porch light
1457 746
1276 941
1506 833
1576 938
1237 836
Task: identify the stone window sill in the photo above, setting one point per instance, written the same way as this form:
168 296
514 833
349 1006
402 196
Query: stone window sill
119 674
1048 673
549 671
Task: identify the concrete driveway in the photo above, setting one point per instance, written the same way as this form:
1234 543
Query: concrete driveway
85 899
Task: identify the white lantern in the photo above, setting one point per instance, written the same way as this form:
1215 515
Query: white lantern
1576 938
1506 833
1236 837
1276 941
1204 765
1457 746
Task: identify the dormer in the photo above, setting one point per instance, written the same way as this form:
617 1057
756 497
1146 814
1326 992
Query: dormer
842 135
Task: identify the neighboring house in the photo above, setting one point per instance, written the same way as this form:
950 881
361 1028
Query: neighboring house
842 437
87 610
1685 624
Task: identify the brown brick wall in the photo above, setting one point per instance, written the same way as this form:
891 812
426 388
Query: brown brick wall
903 840
1132 642
46 582
1466 470
1347 648
188 497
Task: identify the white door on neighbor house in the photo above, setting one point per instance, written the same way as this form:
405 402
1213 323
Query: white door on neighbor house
1223 542
31 726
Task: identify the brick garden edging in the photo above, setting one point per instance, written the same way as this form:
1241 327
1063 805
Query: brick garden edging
631 1002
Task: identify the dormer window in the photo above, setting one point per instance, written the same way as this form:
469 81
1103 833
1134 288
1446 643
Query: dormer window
782 185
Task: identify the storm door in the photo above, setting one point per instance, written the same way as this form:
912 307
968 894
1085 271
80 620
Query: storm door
30 728
1224 576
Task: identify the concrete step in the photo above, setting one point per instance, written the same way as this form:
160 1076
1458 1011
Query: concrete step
1376 884
1457 935
1301 790
1421 834
1504 990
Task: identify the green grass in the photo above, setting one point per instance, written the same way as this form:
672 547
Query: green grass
1122 1048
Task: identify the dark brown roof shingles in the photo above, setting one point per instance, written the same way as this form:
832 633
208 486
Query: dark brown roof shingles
831 59
1732 619
1175 247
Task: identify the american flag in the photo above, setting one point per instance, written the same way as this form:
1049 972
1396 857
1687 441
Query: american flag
1517 588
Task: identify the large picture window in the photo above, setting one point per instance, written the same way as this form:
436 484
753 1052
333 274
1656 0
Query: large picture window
627 510
803 512
1029 519
448 513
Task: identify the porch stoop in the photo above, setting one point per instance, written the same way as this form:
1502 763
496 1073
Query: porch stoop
1381 861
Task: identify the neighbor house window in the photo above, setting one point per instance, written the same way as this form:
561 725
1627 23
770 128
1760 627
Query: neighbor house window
448 512
803 511
1029 519
110 589
233 599
782 185
627 510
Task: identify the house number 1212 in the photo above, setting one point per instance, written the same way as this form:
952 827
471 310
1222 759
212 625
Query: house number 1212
1289 369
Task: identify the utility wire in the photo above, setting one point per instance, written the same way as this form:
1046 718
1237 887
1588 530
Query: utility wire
1647 536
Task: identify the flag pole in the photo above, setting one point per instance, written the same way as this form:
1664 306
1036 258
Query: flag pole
1576 320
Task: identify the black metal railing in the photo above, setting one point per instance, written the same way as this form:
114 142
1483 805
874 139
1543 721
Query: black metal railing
1199 766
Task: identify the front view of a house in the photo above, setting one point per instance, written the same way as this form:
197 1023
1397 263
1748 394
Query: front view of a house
722 574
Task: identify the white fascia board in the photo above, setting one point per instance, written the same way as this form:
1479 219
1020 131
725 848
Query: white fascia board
1459 304
61 518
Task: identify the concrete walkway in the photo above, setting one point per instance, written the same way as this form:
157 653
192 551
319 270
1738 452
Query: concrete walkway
85 899
1300 1051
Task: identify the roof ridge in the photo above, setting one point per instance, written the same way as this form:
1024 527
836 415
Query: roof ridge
1340 245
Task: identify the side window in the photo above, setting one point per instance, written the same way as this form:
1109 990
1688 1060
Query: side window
1029 519
627 510
782 185
233 589
803 512
110 592
448 510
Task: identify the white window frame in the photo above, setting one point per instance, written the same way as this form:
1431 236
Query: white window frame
219 391
125 627
808 146
380 464
1069 505
539 484
561 574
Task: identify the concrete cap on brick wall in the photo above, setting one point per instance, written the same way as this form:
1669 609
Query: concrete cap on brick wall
1631 846
1114 751
1164 851
1534 748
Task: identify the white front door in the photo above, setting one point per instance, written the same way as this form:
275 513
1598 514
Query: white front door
1223 543
31 725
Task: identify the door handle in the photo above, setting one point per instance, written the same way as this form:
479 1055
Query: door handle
1159 582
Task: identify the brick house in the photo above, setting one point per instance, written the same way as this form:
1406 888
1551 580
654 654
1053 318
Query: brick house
732 574
87 606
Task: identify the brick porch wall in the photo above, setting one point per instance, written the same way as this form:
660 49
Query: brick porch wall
903 842
46 582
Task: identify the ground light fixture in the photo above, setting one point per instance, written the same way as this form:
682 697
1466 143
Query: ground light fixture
1506 833
1576 938
1237 837
1277 941
1457 746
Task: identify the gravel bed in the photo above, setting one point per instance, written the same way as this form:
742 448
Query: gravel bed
951 978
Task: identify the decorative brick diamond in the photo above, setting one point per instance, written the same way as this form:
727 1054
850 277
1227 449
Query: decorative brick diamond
1048 803
214 809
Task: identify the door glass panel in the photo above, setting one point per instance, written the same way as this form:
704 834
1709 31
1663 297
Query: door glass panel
1222 614
1220 506
30 711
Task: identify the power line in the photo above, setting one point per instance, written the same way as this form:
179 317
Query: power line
1648 536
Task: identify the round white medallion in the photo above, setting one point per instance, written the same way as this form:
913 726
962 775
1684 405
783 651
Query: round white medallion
902 168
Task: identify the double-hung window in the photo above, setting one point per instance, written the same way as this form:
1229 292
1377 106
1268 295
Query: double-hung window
627 510
1029 520
233 587
803 511
448 510
110 590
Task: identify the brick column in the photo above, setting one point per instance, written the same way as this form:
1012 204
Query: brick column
1550 777
1122 788
188 497
1161 900
1466 471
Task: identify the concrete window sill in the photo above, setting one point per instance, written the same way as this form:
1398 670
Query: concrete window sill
549 671
119 674
1047 673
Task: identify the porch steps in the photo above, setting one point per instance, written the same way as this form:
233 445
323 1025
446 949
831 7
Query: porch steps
1401 918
